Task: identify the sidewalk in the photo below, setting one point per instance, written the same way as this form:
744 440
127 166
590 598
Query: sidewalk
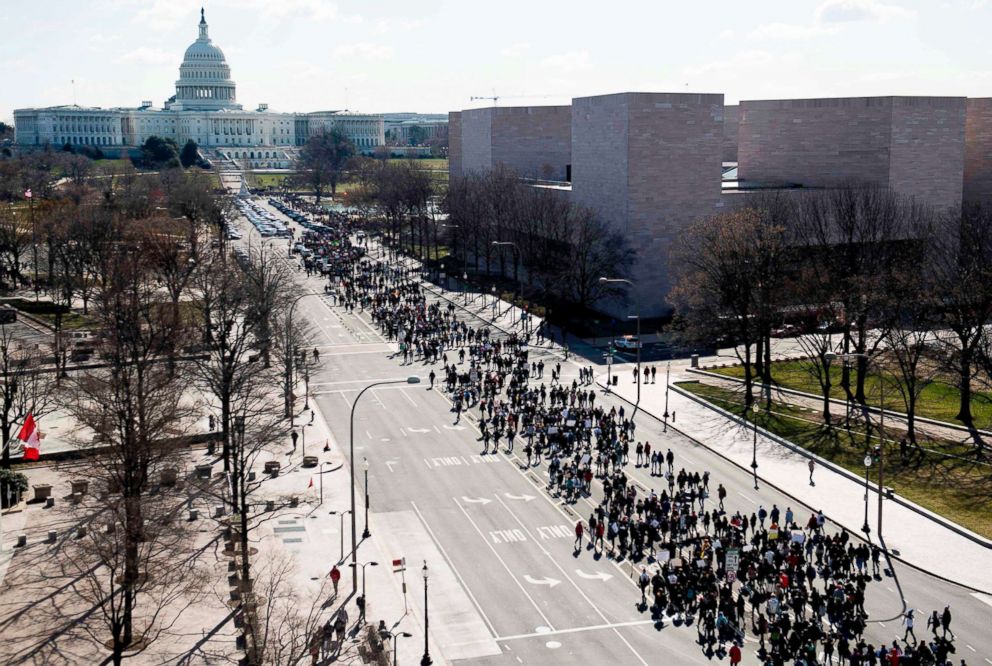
910 534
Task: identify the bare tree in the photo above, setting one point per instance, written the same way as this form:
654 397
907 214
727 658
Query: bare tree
963 288
134 407
289 620
725 264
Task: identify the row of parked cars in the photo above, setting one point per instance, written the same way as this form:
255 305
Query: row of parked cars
267 224
300 218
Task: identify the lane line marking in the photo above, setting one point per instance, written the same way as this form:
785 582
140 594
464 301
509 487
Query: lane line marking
505 566
573 630
451 564
569 579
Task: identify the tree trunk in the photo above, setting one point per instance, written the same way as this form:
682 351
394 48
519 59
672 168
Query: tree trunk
748 378
964 373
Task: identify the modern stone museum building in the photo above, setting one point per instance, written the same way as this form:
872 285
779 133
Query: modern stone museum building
205 109
651 163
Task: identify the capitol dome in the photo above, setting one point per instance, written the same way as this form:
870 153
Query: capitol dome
204 77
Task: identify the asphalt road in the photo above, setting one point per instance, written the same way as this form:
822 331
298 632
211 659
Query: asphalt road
507 585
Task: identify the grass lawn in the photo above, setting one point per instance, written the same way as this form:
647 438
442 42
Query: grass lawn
45 311
938 400
426 162
959 488
111 166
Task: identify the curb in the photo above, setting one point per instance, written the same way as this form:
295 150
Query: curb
840 403
798 500
940 520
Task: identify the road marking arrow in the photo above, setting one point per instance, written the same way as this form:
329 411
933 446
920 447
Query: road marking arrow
418 430
599 575
448 427
525 498
476 500
550 582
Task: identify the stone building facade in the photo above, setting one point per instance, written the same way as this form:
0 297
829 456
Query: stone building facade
731 123
649 164
534 141
455 169
913 145
978 151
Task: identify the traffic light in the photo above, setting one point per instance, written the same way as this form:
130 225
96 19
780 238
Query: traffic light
876 454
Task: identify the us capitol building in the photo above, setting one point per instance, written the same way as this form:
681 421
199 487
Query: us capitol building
205 109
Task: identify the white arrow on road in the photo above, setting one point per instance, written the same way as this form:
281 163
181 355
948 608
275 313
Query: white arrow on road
525 498
599 575
448 427
550 582
476 500
418 429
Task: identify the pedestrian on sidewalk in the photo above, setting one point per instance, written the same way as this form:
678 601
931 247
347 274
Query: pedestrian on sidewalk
335 578
811 465
431 376
654 371
294 436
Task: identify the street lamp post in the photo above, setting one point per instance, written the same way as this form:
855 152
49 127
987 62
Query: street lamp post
608 280
351 468
867 461
426 659
341 514
754 447
638 344
404 634
365 600
289 356
668 374
464 288
516 275
495 310
880 449
365 466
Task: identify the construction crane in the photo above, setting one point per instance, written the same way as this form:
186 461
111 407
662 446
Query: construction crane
495 98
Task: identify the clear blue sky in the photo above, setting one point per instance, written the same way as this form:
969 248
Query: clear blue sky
432 55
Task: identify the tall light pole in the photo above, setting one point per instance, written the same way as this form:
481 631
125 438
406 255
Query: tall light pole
754 447
289 356
351 468
403 634
638 344
668 374
365 466
867 461
341 514
426 659
464 288
607 280
880 449
516 275
354 567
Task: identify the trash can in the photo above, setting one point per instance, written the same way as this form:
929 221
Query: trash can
615 379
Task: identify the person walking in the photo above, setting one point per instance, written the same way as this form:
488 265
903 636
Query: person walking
945 621
431 376
811 465
579 530
335 578
642 582
907 621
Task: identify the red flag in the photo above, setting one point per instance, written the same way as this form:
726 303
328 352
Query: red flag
311 483
29 435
